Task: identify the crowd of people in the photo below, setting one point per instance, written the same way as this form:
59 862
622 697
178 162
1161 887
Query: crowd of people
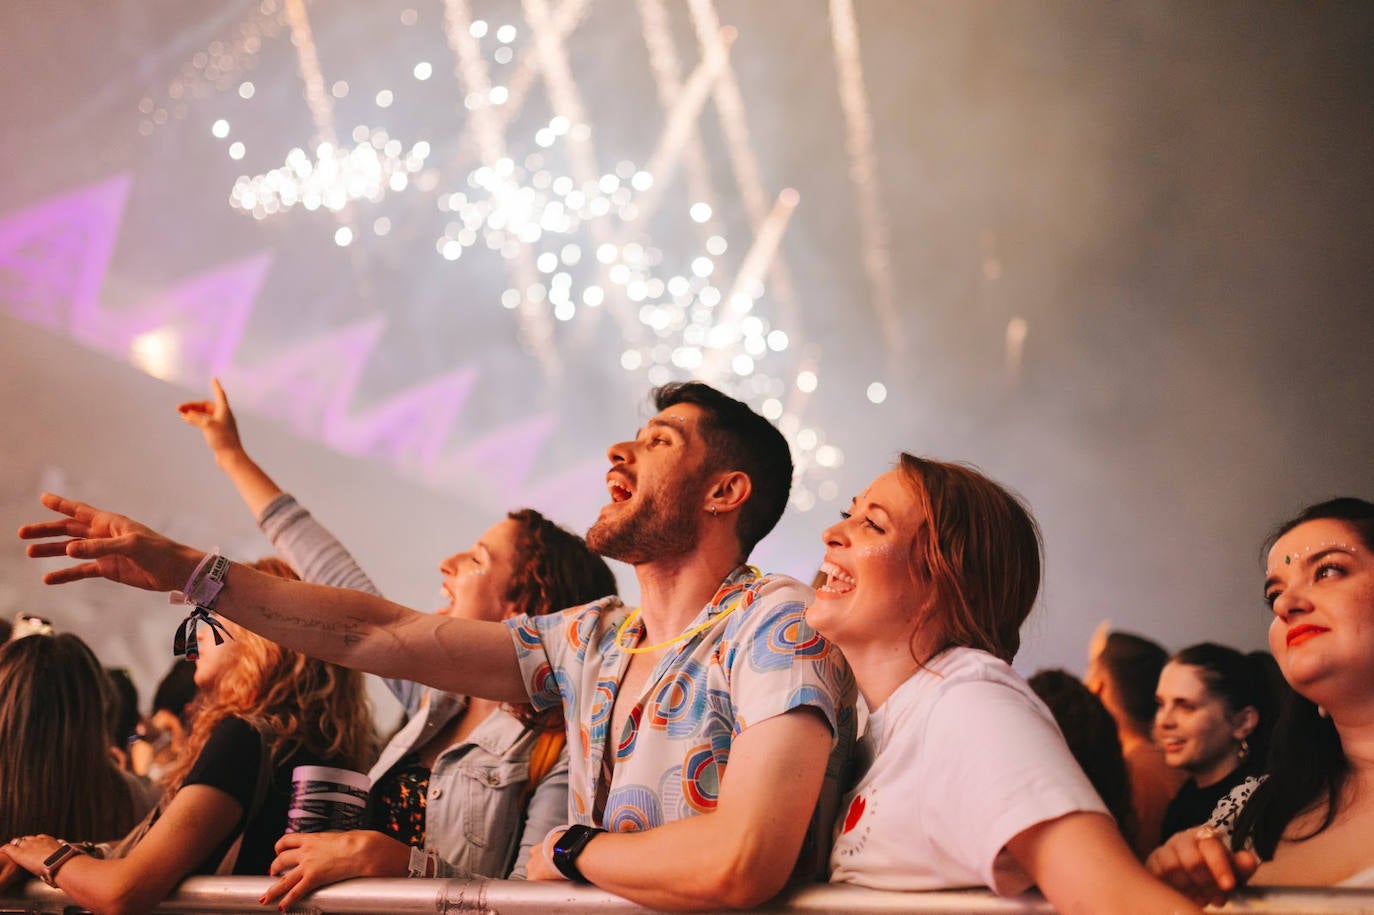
700 750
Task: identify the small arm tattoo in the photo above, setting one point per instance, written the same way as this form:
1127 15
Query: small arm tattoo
350 630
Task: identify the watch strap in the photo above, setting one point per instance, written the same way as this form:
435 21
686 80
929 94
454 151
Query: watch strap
53 862
571 844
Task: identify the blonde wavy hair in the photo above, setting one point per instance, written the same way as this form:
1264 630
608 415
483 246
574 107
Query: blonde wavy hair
303 702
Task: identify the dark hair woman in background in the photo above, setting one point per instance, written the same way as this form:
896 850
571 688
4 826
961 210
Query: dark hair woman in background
1212 720
56 770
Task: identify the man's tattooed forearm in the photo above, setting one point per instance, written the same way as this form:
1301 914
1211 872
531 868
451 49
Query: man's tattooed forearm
349 630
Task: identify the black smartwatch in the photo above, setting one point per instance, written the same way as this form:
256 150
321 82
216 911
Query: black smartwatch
569 846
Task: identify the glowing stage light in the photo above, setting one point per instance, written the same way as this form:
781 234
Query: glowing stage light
155 352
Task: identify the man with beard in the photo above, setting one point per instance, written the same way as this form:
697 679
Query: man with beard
716 666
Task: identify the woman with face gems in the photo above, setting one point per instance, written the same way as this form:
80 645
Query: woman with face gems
929 577
468 785
1310 821
1211 721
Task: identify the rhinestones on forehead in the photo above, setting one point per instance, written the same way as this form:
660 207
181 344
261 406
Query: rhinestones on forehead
1289 558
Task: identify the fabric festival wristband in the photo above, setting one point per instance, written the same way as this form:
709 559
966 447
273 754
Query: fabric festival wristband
203 587
202 590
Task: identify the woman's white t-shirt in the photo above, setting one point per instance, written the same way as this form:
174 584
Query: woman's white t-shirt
964 758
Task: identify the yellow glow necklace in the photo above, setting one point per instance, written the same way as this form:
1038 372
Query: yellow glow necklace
683 636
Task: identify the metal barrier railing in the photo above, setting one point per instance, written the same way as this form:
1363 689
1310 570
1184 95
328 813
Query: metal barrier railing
235 895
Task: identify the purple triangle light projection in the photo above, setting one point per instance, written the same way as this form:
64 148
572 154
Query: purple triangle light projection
206 314
574 495
502 459
54 254
410 429
308 385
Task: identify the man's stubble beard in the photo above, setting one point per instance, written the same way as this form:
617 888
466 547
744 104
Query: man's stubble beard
659 526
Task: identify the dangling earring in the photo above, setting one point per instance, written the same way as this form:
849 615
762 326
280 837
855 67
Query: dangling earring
1321 710
1244 750
713 511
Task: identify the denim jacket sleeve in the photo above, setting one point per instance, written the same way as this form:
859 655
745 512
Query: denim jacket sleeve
319 557
475 820
548 808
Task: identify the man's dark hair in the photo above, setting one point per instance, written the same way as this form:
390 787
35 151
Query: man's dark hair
123 712
1133 662
177 690
737 438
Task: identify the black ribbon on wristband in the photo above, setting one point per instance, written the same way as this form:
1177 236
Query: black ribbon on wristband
184 643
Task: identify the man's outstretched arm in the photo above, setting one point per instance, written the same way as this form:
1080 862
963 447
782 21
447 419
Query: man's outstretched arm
351 628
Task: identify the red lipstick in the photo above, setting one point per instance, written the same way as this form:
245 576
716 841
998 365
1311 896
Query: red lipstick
1301 633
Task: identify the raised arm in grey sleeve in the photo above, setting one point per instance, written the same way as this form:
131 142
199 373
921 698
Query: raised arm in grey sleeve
315 553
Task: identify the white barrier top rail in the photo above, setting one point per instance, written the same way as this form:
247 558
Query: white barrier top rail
403 896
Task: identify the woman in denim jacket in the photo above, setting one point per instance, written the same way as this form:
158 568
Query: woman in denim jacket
453 793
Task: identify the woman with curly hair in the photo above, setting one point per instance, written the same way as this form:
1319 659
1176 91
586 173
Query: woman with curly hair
468 786
56 771
267 709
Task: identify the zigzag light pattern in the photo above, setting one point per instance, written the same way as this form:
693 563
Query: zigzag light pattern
54 256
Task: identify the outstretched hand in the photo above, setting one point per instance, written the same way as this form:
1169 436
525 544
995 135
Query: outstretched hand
114 547
214 419
1197 863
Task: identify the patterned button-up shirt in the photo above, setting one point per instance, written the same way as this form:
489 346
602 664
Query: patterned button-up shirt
760 660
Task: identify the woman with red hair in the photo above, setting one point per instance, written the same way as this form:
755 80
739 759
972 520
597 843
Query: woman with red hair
929 576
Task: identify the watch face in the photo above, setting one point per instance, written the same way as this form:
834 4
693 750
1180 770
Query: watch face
63 851
568 847
565 841
572 839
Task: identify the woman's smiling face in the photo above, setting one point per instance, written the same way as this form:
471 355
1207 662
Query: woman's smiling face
1193 726
1320 583
872 590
